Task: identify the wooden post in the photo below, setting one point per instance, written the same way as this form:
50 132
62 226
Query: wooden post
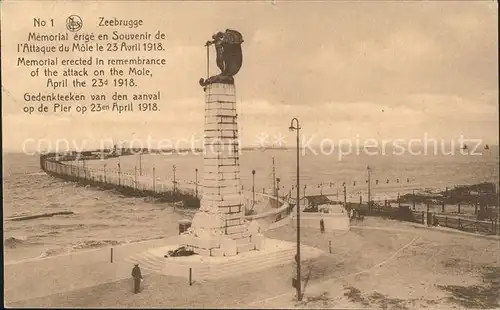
459 225
111 255
423 217
174 168
442 207
413 200
154 181
428 220
135 178
445 221
458 208
190 276
345 196
330 246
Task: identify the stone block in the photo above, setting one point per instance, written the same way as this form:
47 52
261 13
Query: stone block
217 252
242 248
235 229
202 252
230 251
230 216
258 240
233 222
242 240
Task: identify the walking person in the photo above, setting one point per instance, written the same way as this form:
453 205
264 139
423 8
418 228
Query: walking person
322 225
137 275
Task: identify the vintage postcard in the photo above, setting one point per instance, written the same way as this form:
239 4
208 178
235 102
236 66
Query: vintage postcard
250 154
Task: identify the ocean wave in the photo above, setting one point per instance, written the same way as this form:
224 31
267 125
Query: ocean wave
71 227
13 242
146 239
92 244
53 252
36 216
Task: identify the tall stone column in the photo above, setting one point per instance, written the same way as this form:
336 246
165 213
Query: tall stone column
219 227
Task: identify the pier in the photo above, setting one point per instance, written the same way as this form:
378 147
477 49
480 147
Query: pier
183 194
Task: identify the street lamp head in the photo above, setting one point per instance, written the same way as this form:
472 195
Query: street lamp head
253 171
292 126
196 169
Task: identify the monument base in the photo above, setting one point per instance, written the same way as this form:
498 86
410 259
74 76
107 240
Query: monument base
223 245
207 238
273 253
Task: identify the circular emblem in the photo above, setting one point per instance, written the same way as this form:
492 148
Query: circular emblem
74 23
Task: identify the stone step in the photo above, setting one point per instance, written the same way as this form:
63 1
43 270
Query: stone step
262 262
205 268
284 257
147 265
258 259
236 229
245 247
246 269
241 235
244 240
250 265
161 265
151 261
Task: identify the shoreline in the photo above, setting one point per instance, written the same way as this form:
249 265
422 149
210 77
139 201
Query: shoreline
78 251
110 286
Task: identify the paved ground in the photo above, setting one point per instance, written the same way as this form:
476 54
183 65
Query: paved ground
37 278
382 263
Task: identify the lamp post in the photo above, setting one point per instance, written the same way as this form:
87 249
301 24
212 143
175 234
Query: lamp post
278 180
253 187
154 182
135 177
119 182
140 163
196 182
173 168
368 168
298 284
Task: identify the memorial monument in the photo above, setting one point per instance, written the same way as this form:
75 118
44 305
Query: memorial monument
219 228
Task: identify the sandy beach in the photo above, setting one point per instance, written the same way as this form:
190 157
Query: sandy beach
380 263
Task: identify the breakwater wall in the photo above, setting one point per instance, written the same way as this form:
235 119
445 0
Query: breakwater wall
185 194
126 183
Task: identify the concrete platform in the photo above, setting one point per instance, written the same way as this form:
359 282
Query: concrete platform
273 253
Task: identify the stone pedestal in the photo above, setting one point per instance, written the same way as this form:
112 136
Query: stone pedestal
219 227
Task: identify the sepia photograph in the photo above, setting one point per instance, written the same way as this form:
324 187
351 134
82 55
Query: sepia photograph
250 154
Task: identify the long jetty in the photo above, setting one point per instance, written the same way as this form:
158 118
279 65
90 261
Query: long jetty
62 166
187 193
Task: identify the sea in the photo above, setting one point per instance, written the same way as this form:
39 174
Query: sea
105 217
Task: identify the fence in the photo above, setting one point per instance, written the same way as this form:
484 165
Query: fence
127 183
133 184
469 225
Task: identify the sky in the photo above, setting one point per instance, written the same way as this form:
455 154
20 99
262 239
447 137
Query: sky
374 70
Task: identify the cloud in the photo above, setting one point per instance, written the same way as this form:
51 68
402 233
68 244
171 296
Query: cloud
381 68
